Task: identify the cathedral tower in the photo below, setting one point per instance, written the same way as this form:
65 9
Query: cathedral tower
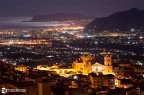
107 60
108 68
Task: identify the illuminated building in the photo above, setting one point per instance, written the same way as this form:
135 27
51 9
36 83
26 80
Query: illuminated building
64 71
21 68
102 80
85 66
40 67
59 70
108 69
96 68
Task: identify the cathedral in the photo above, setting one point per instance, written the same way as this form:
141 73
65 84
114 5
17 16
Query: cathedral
85 65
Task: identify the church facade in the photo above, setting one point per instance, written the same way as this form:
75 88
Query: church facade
84 65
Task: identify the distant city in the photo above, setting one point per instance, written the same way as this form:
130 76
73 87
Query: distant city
70 54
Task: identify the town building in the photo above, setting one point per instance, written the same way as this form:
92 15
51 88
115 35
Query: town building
102 80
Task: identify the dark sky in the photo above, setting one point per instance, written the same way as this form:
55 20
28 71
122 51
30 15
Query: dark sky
21 8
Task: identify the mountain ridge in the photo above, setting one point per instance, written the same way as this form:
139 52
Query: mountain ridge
59 17
124 20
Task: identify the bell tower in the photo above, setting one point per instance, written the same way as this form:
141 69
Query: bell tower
108 68
107 60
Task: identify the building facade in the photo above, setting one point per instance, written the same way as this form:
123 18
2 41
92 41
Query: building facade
85 65
102 80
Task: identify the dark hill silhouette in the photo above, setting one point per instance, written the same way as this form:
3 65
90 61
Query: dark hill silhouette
59 17
124 21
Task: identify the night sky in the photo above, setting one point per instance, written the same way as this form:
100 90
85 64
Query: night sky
97 8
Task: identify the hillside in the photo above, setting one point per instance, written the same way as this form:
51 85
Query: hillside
124 21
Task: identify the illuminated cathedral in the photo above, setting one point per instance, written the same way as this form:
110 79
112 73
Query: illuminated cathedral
85 65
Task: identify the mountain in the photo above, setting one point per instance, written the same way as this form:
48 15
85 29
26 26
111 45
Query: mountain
58 17
124 21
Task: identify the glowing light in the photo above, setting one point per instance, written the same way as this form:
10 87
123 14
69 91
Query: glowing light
132 30
141 37
75 77
96 42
